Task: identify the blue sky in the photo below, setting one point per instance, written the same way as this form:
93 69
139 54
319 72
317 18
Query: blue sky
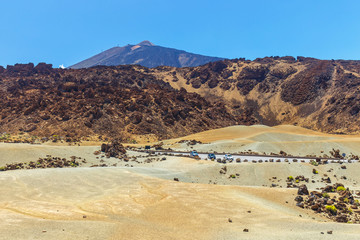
66 32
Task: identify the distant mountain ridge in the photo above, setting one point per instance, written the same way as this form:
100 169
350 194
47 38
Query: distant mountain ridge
145 54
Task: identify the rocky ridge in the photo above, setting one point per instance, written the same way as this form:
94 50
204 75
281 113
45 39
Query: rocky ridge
116 102
321 95
334 201
166 102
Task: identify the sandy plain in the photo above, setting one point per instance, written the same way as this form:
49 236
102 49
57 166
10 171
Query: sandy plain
141 200
294 140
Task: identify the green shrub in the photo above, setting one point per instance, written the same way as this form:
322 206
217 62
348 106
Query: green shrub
325 195
2 168
340 188
331 208
312 162
290 178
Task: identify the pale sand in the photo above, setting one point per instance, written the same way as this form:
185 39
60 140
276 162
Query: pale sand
18 152
130 204
143 201
263 139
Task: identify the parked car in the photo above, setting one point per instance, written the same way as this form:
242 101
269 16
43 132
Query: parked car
228 157
194 154
211 156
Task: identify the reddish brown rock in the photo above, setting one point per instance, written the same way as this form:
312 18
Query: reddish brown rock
342 218
303 190
114 149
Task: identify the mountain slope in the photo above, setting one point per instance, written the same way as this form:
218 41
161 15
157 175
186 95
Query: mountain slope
116 101
145 54
322 95
166 102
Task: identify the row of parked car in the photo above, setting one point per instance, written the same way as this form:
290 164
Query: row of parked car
227 157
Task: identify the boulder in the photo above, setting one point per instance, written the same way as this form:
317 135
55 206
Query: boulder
316 193
300 204
299 199
114 149
303 190
342 218
20 68
328 188
315 207
43 68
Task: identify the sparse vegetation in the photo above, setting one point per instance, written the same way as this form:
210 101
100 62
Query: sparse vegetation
48 162
332 209
325 195
314 163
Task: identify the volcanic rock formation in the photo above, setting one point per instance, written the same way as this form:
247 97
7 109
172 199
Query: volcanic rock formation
107 101
321 95
169 102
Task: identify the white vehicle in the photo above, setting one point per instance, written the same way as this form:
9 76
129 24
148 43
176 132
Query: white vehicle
228 157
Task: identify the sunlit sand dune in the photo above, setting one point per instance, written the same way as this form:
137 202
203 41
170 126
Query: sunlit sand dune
259 138
140 200
116 203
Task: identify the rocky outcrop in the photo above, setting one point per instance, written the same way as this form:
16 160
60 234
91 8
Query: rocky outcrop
303 190
109 101
307 84
47 162
167 102
43 68
114 149
317 94
334 201
20 68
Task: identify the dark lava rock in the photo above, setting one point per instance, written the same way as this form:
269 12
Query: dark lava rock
303 190
300 204
342 218
328 188
299 199
114 149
